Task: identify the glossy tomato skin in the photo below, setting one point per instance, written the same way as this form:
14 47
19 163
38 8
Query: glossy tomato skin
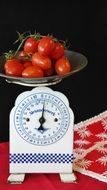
32 72
43 62
22 54
13 67
62 66
30 45
46 45
58 51
27 63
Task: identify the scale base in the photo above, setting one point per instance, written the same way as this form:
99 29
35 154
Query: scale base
19 178
16 178
68 177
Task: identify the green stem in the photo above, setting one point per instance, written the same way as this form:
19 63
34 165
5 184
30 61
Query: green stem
31 35
19 47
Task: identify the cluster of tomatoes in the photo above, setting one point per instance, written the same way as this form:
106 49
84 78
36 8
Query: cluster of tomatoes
41 57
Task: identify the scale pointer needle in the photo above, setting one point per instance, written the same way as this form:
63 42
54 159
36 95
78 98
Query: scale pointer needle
42 120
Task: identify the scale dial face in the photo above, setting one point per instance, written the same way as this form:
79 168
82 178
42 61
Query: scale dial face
41 118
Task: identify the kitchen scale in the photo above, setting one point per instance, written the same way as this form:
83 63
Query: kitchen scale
41 126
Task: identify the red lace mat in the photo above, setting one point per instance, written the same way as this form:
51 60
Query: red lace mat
90 147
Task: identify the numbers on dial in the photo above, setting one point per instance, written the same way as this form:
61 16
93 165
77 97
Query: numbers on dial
41 119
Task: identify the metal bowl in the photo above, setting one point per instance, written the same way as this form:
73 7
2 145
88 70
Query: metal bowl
77 60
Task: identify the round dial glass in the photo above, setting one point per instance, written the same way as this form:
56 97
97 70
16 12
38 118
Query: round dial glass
41 118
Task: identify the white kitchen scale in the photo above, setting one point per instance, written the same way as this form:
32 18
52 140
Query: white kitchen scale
41 127
41 134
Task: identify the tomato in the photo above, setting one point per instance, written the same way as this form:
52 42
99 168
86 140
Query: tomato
32 72
27 63
13 67
30 45
58 51
49 72
46 45
43 62
22 54
62 66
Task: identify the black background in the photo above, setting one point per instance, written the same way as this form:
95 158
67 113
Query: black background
84 24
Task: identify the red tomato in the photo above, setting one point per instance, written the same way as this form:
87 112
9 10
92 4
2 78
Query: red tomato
13 67
46 45
27 63
42 61
62 66
32 72
49 72
22 54
30 45
58 51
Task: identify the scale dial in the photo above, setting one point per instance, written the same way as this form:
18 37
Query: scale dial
43 117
